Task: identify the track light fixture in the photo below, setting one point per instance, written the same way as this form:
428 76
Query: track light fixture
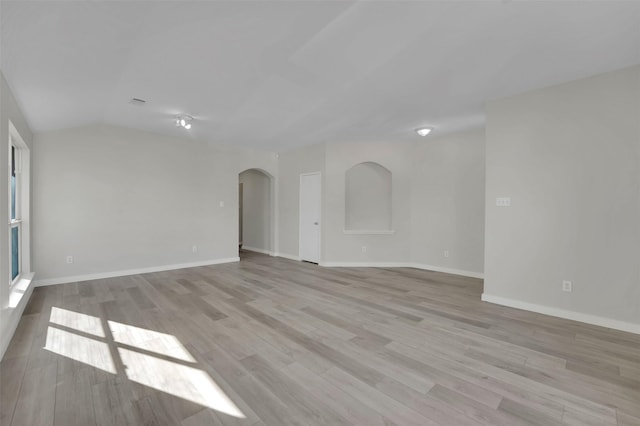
184 120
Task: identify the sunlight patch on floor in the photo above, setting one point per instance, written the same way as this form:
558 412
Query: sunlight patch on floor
143 354
81 322
179 380
149 340
80 348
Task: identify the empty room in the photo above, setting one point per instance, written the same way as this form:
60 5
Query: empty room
320 213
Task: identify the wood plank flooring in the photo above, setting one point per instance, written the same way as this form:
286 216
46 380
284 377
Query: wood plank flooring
269 341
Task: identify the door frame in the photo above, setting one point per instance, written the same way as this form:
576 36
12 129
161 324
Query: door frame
240 213
302 175
272 249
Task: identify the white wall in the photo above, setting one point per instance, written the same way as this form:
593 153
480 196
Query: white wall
423 173
119 199
9 111
448 202
569 158
256 210
290 165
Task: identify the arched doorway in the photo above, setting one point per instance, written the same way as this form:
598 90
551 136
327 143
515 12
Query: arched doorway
255 212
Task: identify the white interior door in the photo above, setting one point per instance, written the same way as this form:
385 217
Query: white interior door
310 208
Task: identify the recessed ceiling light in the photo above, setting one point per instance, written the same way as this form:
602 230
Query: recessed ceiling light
424 131
184 121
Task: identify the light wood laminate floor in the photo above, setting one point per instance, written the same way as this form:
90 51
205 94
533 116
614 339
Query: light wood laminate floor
277 342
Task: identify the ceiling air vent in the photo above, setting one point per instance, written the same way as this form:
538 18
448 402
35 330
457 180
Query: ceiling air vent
137 102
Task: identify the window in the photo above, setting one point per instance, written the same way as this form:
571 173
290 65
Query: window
14 214
18 205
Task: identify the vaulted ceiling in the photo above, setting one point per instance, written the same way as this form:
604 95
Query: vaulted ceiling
279 74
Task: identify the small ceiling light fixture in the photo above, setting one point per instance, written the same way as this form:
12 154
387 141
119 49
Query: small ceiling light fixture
184 120
423 131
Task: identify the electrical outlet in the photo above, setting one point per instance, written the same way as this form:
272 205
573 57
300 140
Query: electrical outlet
446 253
364 249
69 259
567 286
194 249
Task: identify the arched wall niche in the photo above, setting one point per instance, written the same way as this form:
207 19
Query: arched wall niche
368 195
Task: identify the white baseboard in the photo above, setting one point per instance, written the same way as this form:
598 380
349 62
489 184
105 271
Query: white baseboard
562 313
453 271
403 265
87 277
257 250
288 256
365 264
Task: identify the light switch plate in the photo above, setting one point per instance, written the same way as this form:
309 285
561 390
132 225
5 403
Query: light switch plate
503 201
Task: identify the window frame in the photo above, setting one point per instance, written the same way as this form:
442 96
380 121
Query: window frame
18 165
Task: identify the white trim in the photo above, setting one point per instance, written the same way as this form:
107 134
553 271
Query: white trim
368 231
365 264
288 256
257 250
87 277
452 271
19 288
563 313
23 200
10 325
